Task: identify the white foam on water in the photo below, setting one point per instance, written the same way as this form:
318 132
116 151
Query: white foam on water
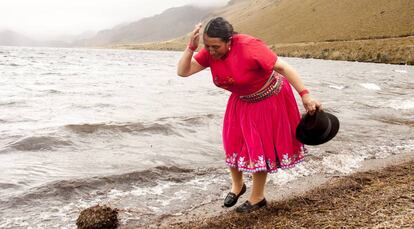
156 190
342 163
154 209
386 151
401 105
17 222
408 146
339 87
282 177
203 183
115 194
370 86
180 195
400 71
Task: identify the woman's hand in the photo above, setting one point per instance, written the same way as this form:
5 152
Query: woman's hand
187 65
195 37
310 104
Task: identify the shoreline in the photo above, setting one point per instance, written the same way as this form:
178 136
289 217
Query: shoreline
392 50
212 215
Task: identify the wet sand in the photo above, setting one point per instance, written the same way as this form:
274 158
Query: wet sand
380 194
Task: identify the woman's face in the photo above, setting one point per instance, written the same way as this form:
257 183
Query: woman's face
215 46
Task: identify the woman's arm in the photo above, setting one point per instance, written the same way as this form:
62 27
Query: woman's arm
187 65
293 77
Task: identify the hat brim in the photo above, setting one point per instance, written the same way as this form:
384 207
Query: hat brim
317 140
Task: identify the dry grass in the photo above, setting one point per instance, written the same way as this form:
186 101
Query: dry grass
367 30
376 199
292 21
389 50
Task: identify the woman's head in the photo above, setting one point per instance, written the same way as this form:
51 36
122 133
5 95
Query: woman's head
219 28
217 37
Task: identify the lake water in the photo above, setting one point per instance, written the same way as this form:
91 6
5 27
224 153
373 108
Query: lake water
80 127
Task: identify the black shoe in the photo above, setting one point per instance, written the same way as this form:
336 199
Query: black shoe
231 198
248 207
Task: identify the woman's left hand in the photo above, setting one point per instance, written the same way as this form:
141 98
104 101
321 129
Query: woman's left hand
310 104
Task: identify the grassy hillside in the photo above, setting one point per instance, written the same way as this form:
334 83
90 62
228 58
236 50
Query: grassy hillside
290 21
390 50
363 30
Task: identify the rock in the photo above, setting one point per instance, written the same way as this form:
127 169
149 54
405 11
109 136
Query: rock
98 217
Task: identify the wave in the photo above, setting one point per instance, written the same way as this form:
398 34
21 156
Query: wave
370 86
396 121
402 105
339 87
400 71
191 120
165 126
51 73
39 143
7 186
10 103
67 189
155 128
52 91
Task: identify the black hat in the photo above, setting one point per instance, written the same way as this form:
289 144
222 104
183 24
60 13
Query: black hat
317 128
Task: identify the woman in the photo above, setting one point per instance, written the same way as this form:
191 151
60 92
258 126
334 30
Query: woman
261 114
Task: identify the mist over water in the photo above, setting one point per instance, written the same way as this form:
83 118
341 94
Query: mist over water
85 126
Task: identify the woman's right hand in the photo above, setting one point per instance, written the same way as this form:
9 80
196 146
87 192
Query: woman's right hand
195 37
310 104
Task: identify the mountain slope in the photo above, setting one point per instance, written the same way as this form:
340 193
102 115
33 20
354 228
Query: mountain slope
363 30
8 37
289 21
172 23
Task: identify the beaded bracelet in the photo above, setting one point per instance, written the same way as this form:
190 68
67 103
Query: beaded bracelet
303 92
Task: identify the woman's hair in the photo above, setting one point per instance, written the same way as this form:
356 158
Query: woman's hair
220 28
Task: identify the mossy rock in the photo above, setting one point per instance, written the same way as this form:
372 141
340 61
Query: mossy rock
98 217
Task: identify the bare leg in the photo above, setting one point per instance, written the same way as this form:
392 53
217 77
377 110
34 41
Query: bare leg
259 181
237 180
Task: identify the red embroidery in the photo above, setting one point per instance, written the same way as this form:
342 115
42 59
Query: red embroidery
224 82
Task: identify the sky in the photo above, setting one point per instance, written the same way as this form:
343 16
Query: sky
47 19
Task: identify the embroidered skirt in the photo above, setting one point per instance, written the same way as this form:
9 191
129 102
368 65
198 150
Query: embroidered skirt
260 136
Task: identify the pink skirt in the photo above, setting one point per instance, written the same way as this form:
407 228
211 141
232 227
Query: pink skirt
260 136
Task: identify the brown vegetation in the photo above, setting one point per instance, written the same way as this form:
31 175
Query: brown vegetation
293 21
98 217
374 199
391 50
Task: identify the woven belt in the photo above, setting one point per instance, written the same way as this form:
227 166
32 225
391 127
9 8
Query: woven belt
273 86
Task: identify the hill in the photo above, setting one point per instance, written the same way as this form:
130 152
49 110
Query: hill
171 23
12 38
291 21
8 37
364 30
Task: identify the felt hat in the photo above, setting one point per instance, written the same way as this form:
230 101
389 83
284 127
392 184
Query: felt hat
318 128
